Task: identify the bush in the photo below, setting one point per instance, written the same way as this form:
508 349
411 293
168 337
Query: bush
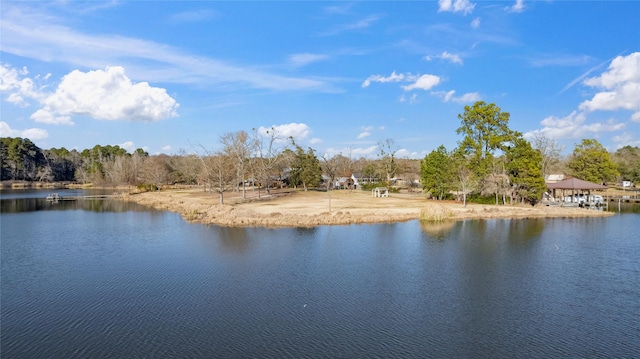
479 199
146 187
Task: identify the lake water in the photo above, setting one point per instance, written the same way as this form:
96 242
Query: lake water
107 279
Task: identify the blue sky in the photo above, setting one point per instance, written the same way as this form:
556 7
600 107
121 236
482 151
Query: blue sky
339 77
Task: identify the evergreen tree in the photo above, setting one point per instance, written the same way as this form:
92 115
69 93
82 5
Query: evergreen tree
591 162
436 172
524 165
486 130
305 169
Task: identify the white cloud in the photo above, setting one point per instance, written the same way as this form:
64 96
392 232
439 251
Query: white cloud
517 7
412 99
299 60
573 126
424 82
31 133
105 95
451 57
315 141
475 23
449 96
626 139
19 87
635 117
464 6
620 85
297 131
364 134
378 78
404 153
129 146
166 148
357 152
47 117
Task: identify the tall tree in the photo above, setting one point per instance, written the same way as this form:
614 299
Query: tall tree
549 151
387 155
436 172
627 159
239 147
486 130
464 179
306 169
591 162
21 159
269 154
524 165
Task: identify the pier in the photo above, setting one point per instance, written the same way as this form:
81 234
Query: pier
54 197
624 199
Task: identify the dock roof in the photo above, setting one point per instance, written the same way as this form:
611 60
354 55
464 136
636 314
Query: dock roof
575 183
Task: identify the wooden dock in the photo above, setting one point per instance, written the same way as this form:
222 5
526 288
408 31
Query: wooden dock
624 199
54 197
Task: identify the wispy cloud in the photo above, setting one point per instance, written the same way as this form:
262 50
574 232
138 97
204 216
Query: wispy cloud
394 77
559 60
462 33
36 35
300 60
358 25
447 56
342 8
517 7
585 74
463 6
449 96
193 16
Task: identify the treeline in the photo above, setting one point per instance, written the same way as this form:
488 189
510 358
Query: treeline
494 163
491 162
261 160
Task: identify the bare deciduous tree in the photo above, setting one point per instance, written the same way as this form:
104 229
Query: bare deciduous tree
268 155
238 147
549 150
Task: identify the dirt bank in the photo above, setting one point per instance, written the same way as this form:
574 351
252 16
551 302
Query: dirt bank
308 209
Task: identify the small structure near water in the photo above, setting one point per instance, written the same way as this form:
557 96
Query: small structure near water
380 192
579 195
54 197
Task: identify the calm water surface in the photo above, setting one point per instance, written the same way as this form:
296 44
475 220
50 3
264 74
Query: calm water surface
106 279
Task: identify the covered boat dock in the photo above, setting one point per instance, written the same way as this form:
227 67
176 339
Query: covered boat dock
574 192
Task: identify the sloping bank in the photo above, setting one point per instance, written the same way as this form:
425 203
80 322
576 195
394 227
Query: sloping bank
309 209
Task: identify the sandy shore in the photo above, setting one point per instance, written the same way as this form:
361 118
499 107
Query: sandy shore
308 209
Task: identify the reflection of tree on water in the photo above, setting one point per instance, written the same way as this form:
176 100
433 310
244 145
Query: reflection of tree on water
233 239
524 230
437 230
19 205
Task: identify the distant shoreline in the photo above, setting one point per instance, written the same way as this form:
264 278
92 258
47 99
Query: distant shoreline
342 207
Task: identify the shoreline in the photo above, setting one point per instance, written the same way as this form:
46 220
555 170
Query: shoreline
341 207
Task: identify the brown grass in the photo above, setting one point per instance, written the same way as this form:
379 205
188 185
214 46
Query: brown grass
312 208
